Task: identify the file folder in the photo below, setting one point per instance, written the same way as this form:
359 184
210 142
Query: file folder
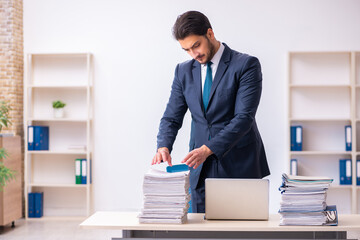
357 172
293 167
90 171
331 215
30 138
83 171
31 205
39 197
348 138
345 171
177 168
296 138
78 171
299 138
41 138
292 138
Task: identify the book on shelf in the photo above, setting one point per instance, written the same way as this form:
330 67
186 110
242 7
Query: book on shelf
78 171
38 138
83 171
348 138
81 165
296 138
39 203
35 204
293 167
358 172
77 147
31 205
345 171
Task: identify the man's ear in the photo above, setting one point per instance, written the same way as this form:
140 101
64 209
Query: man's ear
210 34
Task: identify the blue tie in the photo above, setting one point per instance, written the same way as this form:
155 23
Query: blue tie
207 86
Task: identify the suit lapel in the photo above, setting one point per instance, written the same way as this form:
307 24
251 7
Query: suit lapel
223 65
196 73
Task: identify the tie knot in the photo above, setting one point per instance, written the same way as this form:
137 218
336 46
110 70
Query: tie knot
209 64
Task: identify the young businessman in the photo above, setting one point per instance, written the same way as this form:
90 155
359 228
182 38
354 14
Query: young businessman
222 89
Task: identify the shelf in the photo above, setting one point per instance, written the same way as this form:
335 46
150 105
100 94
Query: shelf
59 86
320 86
57 218
320 119
314 68
59 120
67 77
319 103
319 153
317 52
338 186
57 185
76 99
58 152
79 54
324 97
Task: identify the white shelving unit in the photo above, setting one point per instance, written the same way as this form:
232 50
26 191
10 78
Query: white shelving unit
66 77
324 96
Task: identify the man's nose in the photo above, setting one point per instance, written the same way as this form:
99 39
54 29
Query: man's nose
193 53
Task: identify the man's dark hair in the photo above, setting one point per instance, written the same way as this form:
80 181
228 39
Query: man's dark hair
190 23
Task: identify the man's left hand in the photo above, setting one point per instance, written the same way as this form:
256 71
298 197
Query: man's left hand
197 156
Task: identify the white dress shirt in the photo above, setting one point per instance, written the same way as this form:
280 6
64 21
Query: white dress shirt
215 63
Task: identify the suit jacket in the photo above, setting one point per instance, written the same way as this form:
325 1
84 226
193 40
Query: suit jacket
228 126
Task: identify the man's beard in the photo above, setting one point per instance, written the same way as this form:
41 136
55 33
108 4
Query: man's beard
211 52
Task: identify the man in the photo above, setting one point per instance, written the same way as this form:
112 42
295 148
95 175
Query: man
221 88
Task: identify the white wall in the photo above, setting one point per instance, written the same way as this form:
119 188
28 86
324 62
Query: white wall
135 56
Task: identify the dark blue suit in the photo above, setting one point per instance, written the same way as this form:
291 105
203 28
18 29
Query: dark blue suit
228 127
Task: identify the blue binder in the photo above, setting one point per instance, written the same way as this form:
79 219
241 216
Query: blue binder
31 205
348 138
180 168
293 167
39 199
299 138
292 138
296 138
31 138
41 138
83 171
357 172
345 171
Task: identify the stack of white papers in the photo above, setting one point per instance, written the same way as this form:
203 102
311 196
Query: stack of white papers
166 197
303 200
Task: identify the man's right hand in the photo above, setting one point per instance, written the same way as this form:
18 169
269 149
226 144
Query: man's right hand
162 155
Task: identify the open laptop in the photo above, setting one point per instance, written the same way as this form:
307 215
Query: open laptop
236 199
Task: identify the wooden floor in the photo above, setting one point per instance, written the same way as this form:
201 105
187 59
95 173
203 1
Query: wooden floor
54 230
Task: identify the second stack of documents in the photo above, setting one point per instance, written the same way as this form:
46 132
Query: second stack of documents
303 201
166 197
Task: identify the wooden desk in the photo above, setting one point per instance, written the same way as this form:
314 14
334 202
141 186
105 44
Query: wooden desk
197 227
